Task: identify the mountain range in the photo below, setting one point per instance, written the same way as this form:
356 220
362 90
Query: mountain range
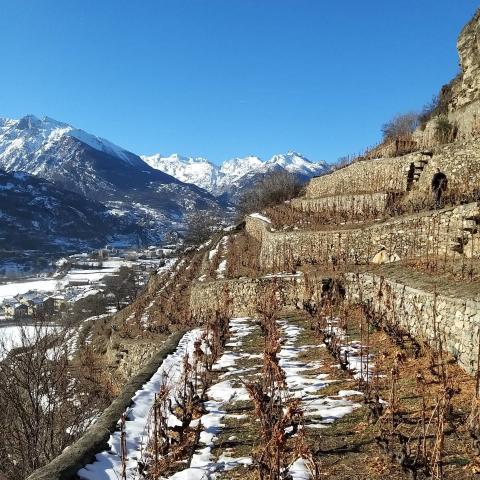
35 214
234 176
66 187
101 172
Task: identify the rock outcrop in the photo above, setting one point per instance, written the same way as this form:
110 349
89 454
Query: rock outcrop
467 88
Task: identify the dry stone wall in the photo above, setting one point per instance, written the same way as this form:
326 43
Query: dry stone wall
367 182
417 311
401 237
353 204
255 227
367 176
460 161
95 439
457 320
206 297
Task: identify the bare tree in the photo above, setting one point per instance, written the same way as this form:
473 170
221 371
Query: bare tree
445 130
46 400
401 125
271 190
200 226
123 286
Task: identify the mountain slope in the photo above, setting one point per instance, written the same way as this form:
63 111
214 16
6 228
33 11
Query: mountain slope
236 175
37 215
99 170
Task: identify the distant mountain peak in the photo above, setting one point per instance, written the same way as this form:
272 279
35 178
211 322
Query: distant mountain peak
27 122
29 139
233 174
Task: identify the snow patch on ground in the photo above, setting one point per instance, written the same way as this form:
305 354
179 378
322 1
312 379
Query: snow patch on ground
222 268
13 336
260 217
319 411
203 465
107 464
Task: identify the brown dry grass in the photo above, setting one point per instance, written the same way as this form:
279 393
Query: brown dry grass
443 284
458 456
286 217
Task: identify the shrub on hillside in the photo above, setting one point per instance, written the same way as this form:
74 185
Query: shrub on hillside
438 106
200 226
401 125
273 189
445 130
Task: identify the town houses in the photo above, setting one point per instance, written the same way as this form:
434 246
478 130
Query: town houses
80 276
31 305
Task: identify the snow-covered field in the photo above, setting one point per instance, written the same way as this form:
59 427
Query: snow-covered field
51 285
11 336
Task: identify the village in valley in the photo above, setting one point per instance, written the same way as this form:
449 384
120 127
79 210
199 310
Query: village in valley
99 279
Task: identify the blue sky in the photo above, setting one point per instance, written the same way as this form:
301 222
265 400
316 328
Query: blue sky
224 78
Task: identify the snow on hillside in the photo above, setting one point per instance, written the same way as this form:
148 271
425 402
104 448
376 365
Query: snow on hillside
232 173
238 167
198 171
25 143
295 163
147 200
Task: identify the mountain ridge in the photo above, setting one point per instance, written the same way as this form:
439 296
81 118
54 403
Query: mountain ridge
235 172
101 171
36 214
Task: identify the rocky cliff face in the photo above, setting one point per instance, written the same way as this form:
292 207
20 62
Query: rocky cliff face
467 88
459 99
463 93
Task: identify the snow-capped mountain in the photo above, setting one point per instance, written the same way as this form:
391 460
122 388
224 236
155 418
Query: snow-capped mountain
26 144
198 171
299 165
101 171
234 175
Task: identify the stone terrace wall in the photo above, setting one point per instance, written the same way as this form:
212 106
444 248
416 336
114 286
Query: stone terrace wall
460 162
405 237
367 176
457 320
205 297
354 204
95 439
255 227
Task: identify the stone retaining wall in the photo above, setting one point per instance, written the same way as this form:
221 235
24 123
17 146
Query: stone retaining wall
95 439
367 176
400 238
244 292
255 227
352 204
456 319
420 312
460 162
